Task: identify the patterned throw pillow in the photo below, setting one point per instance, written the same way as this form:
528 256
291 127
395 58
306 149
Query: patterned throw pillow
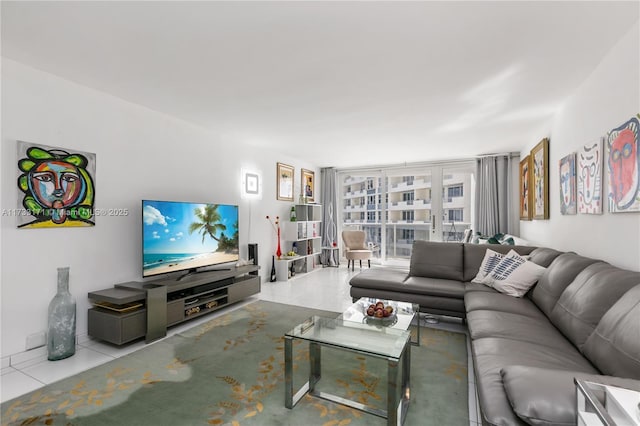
514 275
490 261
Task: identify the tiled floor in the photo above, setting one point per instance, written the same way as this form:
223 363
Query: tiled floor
325 288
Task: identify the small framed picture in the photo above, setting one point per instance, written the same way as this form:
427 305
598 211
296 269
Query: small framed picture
308 185
568 194
525 188
540 179
589 172
284 179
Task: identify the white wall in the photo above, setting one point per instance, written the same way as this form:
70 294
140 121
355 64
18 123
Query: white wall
608 98
140 154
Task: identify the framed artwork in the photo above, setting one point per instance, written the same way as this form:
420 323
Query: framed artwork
589 173
284 176
525 188
540 180
308 185
624 167
56 187
568 193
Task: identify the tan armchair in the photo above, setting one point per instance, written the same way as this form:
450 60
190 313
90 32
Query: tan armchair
355 248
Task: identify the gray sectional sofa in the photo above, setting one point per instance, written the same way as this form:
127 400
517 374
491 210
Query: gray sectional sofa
581 319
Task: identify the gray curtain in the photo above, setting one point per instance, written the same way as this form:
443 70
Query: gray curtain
493 195
328 178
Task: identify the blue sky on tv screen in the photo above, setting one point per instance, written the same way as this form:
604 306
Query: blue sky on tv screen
166 224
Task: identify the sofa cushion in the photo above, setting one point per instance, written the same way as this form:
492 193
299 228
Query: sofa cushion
383 278
541 396
543 256
614 346
489 262
474 254
516 327
491 355
434 287
588 297
436 260
562 271
514 275
492 300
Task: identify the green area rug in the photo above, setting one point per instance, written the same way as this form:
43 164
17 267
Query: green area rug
230 371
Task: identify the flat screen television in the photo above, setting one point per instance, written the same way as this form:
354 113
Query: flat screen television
180 236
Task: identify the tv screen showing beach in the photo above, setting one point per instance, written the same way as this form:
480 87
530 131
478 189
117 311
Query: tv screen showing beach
178 236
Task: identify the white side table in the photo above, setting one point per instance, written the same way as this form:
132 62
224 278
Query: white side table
620 408
330 256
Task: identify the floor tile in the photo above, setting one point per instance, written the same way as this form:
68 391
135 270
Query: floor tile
16 383
113 351
52 371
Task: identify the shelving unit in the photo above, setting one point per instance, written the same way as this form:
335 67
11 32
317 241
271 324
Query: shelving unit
134 309
303 237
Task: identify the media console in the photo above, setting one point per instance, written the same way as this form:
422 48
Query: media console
132 310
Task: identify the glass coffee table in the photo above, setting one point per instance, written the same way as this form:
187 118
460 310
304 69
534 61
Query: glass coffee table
390 342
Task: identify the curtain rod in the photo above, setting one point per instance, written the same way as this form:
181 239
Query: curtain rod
451 162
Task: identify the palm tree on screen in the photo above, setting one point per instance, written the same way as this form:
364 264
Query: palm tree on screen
209 222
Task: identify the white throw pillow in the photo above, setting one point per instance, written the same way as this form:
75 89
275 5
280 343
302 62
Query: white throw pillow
514 275
490 261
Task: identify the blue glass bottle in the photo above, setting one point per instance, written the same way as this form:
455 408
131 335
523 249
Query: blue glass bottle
61 335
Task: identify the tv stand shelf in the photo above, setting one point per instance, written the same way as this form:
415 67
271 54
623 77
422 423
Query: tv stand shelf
134 309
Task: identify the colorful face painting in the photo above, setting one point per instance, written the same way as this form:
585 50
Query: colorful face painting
590 178
624 167
57 187
568 185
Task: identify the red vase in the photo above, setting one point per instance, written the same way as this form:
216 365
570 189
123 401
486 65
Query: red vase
278 251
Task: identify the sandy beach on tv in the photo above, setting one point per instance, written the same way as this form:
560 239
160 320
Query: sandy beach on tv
199 262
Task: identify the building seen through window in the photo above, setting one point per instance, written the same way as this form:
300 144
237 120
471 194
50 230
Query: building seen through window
398 207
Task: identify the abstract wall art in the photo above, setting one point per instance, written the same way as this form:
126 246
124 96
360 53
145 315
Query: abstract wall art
568 193
624 167
590 178
57 187
540 179
525 188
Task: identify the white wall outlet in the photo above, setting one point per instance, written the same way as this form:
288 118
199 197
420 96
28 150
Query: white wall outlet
36 340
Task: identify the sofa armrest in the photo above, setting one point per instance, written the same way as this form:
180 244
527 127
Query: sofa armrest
378 278
541 396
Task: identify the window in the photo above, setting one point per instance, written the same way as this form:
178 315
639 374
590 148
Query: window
370 184
408 215
436 207
455 191
408 234
454 215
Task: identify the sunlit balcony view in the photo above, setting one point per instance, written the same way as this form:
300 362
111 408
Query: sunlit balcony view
396 210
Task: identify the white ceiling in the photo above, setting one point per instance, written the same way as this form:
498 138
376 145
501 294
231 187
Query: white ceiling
345 83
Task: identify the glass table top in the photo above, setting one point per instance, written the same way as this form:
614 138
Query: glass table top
357 336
